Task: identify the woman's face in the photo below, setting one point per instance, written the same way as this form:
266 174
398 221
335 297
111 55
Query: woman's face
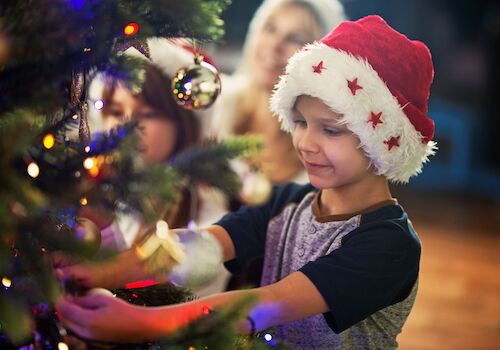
157 134
284 33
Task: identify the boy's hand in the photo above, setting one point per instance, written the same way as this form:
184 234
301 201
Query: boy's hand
84 274
103 318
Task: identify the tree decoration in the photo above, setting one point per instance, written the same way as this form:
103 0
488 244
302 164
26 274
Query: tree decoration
131 29
203 257
51 168
197 85
256 188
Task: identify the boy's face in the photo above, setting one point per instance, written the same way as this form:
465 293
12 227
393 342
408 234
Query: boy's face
328 150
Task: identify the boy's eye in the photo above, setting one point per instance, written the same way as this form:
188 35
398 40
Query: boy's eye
299 123
332 132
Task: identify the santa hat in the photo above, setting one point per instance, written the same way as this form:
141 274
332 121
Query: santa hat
169 54
379 81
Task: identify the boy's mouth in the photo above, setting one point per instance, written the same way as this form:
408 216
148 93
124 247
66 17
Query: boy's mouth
313 167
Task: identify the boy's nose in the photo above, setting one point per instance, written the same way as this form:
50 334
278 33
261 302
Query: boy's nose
308 142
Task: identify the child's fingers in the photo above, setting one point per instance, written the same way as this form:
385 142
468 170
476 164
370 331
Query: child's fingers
93 301
75 343
72 313
80 330
78 273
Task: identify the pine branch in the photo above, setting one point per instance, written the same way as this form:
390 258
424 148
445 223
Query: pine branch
209 163
47 49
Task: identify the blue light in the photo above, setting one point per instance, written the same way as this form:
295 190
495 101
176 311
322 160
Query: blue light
268 337
99 104
77 4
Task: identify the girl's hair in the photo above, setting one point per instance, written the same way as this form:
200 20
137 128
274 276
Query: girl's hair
156 94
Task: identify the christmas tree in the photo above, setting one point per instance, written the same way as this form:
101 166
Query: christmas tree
51 167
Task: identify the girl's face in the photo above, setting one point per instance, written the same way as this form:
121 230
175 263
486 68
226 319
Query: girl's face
328 150
284 33
157 134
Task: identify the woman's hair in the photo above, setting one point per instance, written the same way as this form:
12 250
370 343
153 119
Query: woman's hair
328 14
156 94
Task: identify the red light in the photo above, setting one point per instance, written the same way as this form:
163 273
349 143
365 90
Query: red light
131 29
206 310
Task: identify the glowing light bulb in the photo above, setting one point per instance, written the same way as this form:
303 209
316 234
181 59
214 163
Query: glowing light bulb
87 149
131 29
6 282
62 346
206 310
84 201
268 337
89 163
74 116
33 170
99 104
49 141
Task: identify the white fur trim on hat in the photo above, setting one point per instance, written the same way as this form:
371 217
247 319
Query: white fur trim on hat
330 85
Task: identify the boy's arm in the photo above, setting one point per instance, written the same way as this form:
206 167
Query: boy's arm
101 317
294 297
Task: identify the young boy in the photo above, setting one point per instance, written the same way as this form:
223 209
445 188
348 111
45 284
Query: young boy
341 257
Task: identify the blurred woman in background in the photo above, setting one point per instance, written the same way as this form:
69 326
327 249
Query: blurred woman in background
278 29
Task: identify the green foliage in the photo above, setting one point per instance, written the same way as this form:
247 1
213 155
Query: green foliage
200 333
208 163
52 39
50 42
15 320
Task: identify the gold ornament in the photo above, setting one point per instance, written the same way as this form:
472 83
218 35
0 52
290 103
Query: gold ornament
197 85
256 188
161 251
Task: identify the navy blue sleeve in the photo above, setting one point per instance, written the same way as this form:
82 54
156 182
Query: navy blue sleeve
375 267
248 226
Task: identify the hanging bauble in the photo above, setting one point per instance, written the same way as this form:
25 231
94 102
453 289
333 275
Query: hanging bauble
89 235
202 261
256 188
197 85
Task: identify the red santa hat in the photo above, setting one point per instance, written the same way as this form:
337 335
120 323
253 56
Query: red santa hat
379 81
